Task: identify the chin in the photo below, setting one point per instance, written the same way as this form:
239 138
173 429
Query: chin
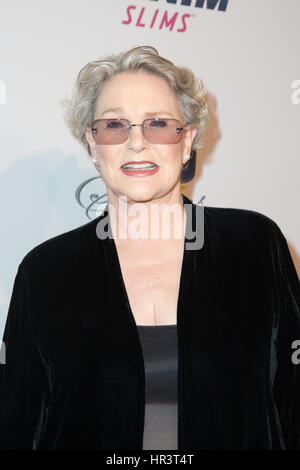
138 193
139 196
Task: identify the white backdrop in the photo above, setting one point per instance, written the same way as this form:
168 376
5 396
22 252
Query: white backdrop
248 57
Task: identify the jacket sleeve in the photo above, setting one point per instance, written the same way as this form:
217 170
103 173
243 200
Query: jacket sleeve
286 388
23 378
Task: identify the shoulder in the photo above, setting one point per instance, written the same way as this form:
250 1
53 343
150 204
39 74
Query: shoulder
249 241
241 225
60 251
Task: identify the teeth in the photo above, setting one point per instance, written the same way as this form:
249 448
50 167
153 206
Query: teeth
133 166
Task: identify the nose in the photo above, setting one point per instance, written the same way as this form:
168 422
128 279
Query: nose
136 137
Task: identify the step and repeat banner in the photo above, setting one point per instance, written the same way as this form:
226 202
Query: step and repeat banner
245 51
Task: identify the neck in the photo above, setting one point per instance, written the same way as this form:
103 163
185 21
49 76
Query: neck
159 219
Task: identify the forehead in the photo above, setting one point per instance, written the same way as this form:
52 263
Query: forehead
137 91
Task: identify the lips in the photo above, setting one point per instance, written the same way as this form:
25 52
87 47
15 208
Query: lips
139 169
138 165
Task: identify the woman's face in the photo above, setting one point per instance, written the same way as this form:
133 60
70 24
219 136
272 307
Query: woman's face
138 94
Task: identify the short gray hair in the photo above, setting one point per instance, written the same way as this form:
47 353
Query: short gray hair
190 91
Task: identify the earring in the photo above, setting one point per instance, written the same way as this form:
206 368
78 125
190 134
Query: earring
186 158
94 160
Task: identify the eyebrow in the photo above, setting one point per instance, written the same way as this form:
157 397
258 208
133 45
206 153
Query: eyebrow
150 113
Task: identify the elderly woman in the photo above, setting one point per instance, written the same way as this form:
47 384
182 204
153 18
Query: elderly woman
119 337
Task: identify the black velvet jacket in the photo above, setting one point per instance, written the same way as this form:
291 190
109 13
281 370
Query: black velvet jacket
74 374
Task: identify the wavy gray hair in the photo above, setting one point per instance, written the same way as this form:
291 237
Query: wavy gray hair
79 109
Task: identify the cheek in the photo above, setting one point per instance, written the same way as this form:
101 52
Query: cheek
108 159
173 158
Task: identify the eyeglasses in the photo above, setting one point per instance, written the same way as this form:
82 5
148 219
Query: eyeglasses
155 130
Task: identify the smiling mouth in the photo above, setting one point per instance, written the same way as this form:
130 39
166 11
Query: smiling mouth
138 166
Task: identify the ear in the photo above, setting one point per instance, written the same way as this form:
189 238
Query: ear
89 138
188 140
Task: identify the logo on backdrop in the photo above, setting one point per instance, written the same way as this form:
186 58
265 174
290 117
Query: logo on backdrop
161 18
89 199
87 192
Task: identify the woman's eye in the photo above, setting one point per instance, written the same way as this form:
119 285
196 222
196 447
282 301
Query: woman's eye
158 123
114 124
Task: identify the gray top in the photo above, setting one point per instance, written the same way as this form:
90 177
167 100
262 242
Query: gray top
160 351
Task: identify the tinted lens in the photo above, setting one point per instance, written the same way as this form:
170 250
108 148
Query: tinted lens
110 131
163 131
156 131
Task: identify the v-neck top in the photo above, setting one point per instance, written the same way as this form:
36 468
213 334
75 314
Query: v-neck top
160 353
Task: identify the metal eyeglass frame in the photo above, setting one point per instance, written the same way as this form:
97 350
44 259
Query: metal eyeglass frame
129 126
